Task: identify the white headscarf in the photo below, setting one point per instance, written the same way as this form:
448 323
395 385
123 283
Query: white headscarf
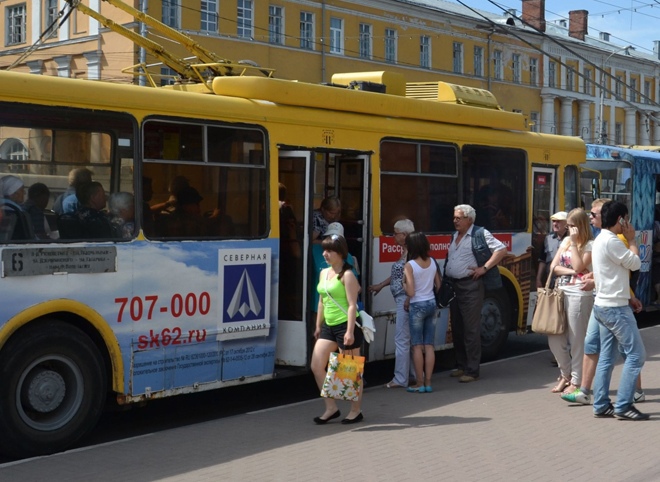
9 185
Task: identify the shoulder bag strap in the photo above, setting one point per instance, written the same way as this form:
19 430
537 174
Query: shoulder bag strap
325 286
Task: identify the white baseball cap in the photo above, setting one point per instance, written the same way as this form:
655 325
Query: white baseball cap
559 216
334 228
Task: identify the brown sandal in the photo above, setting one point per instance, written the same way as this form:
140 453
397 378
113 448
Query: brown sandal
570 389
562 383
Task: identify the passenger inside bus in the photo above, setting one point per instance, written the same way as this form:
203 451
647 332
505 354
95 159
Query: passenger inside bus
16 224
89 221
121 210
176 186
67 202
186 219
495 201
148 216
35 207
328 212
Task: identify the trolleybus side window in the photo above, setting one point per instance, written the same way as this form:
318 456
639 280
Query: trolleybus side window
418 181
495 184
54 142
208 181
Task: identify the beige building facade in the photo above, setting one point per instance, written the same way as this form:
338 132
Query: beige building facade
564 80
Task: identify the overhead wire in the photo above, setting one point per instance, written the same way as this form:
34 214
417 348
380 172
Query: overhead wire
506 29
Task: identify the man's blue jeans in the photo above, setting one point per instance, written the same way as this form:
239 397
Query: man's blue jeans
618 333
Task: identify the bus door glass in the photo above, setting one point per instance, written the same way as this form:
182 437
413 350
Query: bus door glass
544 205
351 192
295 173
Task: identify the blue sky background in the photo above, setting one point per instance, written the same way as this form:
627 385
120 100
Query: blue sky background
629 22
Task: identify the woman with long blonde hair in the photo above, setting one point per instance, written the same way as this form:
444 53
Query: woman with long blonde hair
571 263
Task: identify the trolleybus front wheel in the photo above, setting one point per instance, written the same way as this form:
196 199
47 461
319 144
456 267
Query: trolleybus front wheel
52 389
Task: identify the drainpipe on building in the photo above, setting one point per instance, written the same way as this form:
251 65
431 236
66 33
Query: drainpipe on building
142 53
488 44
323 42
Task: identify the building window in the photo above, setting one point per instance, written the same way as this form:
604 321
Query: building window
587 85
171 13
647 92
479 61
534 121
209 11
618 133
307 30
365 41
244 18
167 76
497 64
633 91
516 67
618 88
570 78
50 15
425 52
552 74
336 36
15 25
390 45
458 57
276 25
533 72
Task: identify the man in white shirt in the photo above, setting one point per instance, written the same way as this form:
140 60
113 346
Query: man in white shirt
472 260
612 263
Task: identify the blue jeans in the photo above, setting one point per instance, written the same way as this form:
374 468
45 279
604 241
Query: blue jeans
592 338
422 323
617 327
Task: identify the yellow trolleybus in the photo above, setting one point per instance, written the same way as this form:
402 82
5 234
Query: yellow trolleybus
202 295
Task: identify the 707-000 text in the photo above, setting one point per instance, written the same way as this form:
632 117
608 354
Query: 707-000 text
142 307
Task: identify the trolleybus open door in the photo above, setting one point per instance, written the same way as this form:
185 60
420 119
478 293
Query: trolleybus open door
308 177
295 179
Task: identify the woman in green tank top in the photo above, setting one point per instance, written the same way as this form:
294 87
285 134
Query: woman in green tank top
338 290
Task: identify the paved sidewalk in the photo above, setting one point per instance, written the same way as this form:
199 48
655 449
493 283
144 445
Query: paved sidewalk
505 427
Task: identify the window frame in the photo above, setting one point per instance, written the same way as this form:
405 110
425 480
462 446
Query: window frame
418 175
15 24
391 45
209 17
552 74
171 13
262 229
498 65
478 61
307 20
457 57
276 27
534 72
365 41
245 19
516 67
51 15
337 36
425 51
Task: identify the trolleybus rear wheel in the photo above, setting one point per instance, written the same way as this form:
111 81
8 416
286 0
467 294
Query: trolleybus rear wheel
494 324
